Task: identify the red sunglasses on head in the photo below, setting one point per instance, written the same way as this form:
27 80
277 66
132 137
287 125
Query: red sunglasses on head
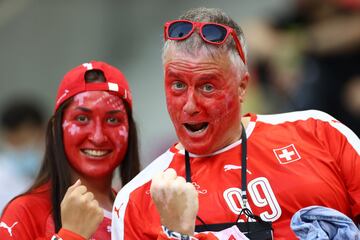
213 33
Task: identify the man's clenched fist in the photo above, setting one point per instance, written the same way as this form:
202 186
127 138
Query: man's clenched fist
176 201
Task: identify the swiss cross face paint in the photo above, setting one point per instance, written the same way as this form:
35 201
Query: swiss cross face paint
95 133
203 100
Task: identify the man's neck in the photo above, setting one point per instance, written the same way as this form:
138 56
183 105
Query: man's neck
245 121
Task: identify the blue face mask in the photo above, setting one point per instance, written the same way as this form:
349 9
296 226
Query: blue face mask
24 162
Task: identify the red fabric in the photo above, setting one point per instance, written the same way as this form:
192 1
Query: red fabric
66 234
74 82
29 217
321 168
205 236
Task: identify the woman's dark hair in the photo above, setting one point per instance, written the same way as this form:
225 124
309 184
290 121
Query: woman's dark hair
56 168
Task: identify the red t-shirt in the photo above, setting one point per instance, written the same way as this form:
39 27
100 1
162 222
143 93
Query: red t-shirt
29 217
294 160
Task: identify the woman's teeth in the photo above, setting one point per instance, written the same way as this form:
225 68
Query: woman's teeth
95 153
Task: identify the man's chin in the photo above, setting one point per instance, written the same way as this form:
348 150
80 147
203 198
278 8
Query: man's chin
196 148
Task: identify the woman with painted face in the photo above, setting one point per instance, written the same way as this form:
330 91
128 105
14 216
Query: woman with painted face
91 133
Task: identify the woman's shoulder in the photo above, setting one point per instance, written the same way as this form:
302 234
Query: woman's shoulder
34 202
26 216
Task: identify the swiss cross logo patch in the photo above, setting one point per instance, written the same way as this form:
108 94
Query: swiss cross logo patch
287 154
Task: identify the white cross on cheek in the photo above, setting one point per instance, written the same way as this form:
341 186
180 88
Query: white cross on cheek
286 154
73 129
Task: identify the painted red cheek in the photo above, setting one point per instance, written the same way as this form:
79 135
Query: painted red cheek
123 133
119 136
70 128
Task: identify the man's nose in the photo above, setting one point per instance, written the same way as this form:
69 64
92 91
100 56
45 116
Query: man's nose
191 106
97 136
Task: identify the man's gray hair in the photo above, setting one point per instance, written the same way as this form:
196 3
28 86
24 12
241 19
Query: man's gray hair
194 43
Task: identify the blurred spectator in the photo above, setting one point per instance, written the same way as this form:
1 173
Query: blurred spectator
22 128
309 58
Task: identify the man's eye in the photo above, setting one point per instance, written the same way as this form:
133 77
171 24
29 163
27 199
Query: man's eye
82 118
177 85
208 87
112 120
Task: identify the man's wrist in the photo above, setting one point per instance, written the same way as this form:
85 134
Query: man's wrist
176 235
65 234
56 237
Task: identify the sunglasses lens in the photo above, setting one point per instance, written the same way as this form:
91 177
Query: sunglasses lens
214 33
179 29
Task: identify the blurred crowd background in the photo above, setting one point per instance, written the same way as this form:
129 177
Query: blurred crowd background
303 54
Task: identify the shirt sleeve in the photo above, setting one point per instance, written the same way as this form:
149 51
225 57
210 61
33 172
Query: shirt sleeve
18 223
134 227
344 146
133 223
129 223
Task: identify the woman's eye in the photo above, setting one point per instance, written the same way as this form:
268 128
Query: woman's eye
177 85
113 120
82 118
208 87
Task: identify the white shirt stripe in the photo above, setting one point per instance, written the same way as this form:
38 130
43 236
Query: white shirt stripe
122 198
315 114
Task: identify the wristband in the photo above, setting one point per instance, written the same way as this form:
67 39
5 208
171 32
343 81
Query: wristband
56 237
175 235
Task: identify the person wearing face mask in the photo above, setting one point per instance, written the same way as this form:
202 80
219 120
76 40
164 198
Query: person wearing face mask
91 133
230 171
22 128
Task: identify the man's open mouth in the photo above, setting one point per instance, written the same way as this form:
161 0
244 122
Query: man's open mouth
197 127
95 153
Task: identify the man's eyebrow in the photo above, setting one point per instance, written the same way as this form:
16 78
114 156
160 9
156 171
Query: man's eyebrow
172 73
208 76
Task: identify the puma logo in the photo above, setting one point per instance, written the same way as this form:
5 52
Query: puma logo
9 229
116 210
234 167
197 187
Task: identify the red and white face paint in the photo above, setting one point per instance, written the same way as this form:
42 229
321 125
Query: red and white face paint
203 98
95 133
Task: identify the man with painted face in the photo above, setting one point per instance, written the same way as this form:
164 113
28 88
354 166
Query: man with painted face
287 161
91 133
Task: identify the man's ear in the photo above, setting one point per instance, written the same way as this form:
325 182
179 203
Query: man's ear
243 83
